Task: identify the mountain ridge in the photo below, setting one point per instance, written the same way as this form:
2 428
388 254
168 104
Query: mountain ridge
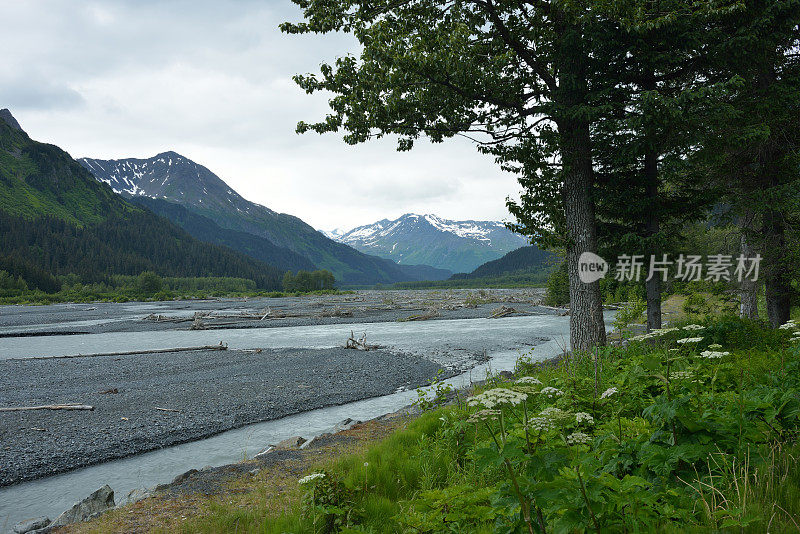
55 215
459 246
175 178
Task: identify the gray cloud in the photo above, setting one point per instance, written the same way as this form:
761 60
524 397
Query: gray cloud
212 80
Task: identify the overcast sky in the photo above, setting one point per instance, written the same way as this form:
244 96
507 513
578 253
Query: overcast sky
212 81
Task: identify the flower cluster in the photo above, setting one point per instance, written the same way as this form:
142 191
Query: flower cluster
607 393
577 438
712 354
483 415
583 417
310 478
715 346
788 325
680 375
551 392
542 424
497 397
694 327
690 340
529 380
654 333
795 337
549 418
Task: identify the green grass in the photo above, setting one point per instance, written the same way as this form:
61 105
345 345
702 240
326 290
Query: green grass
664 453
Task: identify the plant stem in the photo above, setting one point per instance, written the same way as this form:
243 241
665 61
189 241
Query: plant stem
586 499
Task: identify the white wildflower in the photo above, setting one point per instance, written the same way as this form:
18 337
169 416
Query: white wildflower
542 424
673 350
694 327
483 415
529 380
642 337
497 397
583 417
578 438
310 478
607 393
662 331
681 375
788 325
713 355
551 392
690 340
715 346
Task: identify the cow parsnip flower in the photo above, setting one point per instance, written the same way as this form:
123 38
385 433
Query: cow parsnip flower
713 355
578 438
690 340
310 478
483 415
583 417
529 380
607 393
551 392
497 397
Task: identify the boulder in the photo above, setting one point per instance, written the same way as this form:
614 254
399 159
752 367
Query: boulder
291 443
30 525
183 476
95 504
136 495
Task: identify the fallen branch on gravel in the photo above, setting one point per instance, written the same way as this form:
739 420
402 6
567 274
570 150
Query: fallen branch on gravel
167 409
48 407
430 314
130 352
503 311
360 343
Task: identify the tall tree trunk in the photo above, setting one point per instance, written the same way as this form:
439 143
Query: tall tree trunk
777 285
586 326
748 289
653 284
650 170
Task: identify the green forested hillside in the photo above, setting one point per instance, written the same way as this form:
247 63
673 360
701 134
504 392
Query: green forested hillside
523 260
56 217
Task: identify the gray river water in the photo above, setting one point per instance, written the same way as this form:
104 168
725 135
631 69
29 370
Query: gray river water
504 339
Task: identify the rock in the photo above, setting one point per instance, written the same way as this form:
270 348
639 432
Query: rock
314 440
136 495
92 506
31 524
183 476
291 443
345 424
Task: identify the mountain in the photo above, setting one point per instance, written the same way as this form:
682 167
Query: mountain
528 259
174 178
207 230
55 217
459 246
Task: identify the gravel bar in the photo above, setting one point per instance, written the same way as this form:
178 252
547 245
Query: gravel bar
213 391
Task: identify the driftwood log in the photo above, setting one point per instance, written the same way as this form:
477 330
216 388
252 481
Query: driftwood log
48 407
430 314
130 352
360 343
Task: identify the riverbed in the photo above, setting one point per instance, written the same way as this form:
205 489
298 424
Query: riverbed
412 352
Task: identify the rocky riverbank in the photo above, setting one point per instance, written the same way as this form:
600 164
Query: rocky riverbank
149 401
